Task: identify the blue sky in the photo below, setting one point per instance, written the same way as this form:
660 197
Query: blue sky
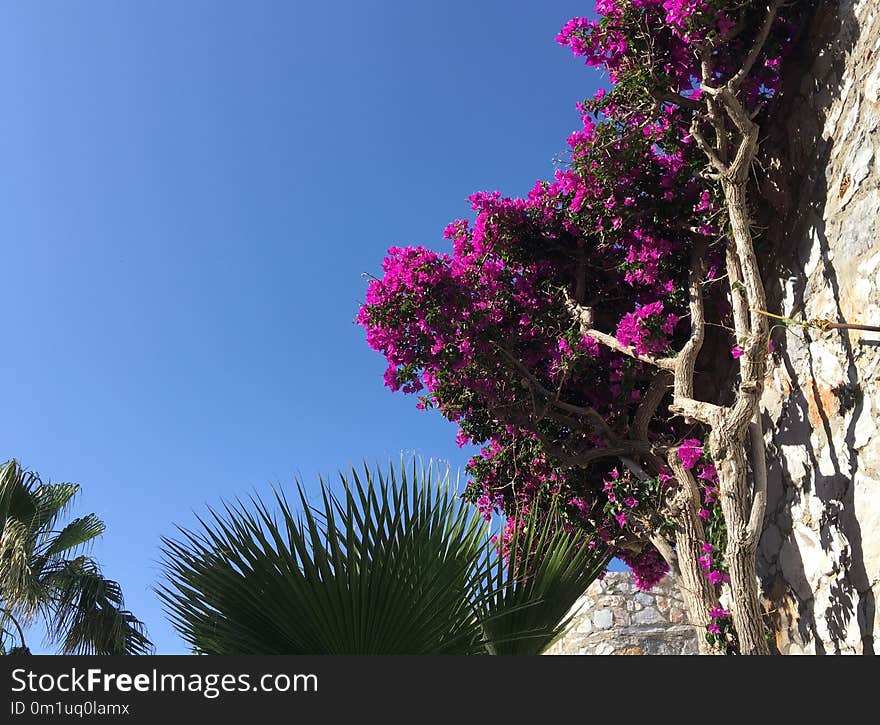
190 195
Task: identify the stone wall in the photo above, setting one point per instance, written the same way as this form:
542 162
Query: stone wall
819 230
615 618
819 557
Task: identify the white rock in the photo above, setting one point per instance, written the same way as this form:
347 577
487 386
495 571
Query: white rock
861 292
810 553
827 363
871 264
644 599
866 426
815 253
649 615
603 619
866 503
872 83
861 164
849 123
793 570
583 626
796 458
816 508
827 465
857 234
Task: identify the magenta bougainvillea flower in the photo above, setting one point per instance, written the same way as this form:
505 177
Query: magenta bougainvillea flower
483 331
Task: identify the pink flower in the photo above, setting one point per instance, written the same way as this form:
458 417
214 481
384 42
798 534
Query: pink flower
648 567
736 352
715 576
670 323
718 613
581 504
621 519
689 452
703 205
714 628
708 472
631 502
704 514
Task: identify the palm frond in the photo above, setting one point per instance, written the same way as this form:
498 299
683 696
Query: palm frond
18 586
528 592
90 614
82 610
384 566
78 532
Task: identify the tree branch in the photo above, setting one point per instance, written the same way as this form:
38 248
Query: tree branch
707 413
599 423
759 474
737 299
760 39
687 358
583 316
664 363
648 407
582 460
720 166
667 552
676 99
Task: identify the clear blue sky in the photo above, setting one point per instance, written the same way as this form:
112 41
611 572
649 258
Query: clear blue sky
189 195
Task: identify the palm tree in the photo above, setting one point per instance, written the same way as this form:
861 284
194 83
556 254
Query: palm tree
44 576
394 564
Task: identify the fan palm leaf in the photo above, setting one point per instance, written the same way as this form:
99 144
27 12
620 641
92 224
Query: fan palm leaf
388 564
529 591
382 568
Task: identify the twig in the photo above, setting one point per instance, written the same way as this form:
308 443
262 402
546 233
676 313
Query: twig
819 323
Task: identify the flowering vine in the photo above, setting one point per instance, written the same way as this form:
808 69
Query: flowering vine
557 326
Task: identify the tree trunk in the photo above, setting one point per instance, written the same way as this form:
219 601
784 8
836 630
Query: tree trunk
697 592
730 461
728 438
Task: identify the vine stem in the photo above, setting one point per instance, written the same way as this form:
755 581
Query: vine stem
819 323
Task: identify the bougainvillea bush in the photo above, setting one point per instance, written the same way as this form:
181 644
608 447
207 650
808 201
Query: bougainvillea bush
563 331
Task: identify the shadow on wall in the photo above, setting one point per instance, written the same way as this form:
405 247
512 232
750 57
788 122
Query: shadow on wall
800 474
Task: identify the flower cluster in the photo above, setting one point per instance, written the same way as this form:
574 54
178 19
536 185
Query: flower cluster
707 561
647 566
695 458
719 631
485 332
647 330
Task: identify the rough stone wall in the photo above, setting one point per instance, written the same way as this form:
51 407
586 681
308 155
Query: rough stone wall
615 618
819 223
819 556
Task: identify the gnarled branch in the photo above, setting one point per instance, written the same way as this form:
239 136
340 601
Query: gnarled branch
664 363
649 404
760 39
